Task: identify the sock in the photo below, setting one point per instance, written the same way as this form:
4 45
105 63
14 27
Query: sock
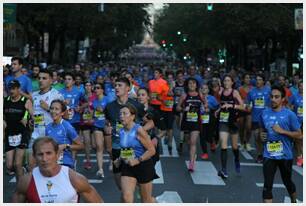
236 154
223 158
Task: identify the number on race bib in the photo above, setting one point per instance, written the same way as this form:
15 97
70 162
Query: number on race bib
275 148
224 117
192 117
15 140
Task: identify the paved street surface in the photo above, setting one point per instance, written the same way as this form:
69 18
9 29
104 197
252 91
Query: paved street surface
176 184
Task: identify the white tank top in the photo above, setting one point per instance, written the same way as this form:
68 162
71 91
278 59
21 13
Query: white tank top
41 116
57 189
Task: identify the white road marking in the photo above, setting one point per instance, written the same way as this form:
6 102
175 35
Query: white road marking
298 169
274 185
246 155
159 172
13 180
94 181
205 173
250 164
94 160
165 149
169 197
288 200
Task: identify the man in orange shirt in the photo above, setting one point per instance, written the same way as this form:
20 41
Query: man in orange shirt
158 87
282 83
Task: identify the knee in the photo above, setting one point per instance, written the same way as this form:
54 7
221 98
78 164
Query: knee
18 164
127 197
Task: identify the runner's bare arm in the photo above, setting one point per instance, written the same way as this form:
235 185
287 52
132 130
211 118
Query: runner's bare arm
149 125
21 189
82 186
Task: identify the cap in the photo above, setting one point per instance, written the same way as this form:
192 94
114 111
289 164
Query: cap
14 83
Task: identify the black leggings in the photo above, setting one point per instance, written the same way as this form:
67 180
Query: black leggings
269 170
206 136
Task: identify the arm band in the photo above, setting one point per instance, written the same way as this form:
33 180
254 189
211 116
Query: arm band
26 115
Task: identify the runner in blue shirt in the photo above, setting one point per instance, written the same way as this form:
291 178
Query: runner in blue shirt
296 101
64 134
258 99
99 105
25 82
72 100
279 126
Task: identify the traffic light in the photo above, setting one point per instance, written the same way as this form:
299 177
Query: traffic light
171 45
184 39
209 7
163 41
164 45
179 32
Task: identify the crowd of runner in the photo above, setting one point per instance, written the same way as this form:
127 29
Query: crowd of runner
51 114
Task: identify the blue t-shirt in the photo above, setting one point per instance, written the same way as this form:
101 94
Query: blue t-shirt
212 102
128 139
297 101
260 99
63 133
110 92
7 80
278 146
294 90
74 96
99 117
25 83
81 89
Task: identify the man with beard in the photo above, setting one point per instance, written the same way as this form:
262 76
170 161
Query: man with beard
35 72
279 127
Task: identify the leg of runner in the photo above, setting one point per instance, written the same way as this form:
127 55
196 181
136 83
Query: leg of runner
259 145
285 168
100 146
146 193
223 141
86 136
203 140
128 185
9 160
193 149
18 162
170 138
269 170
108 145
236 151
298 143
241 122
248 128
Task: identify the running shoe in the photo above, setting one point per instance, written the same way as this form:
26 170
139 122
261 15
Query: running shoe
100 174
299 161
10 172
259 159
213 147
223 174
87 165
191 166
204 156
237 166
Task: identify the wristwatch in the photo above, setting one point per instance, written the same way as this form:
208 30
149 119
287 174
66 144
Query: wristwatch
68 146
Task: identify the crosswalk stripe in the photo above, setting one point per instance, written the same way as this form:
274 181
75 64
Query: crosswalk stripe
94 181
159 171
205 173
250 164
288 200
274 185
13 180
165 149
169 197
298 169
246 155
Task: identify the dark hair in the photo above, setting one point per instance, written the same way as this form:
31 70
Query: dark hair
124 80
19 59
114 74
44 140
14 84
36 65
229 76
169 72
261 76
131 108
145 89
61 102
101 84
46 71
78 74
280 89
179 72
187 81
69 74
159 70
130 73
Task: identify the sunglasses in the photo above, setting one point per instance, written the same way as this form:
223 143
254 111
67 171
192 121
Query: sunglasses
97 88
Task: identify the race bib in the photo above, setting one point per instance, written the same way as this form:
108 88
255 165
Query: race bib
275 148
127 154
154 95
192 117
14 140
260 103
39 120
60 160
224 116
118 127
205 118
99 115
300 111
87 116
169 103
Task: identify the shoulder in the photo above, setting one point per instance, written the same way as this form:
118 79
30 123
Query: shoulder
78 181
